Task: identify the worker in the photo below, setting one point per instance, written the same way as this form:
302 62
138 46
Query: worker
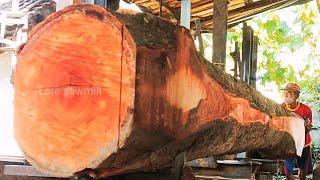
291 94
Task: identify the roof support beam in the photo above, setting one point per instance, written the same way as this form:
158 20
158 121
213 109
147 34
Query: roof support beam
174 13
219 32
185 14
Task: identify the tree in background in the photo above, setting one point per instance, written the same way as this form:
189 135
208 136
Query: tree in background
289 49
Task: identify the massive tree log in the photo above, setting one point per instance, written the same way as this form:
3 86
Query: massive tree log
123 92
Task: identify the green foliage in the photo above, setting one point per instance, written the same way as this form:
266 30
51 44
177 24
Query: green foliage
280 39
318 5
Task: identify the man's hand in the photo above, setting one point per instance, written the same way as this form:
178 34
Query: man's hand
307 124
308 127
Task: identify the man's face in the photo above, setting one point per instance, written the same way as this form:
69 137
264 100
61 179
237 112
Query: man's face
289 94
290 97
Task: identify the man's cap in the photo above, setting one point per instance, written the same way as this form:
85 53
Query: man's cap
291 87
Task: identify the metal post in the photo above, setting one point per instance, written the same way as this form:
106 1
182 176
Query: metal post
90 1
185 14
60 4
102 3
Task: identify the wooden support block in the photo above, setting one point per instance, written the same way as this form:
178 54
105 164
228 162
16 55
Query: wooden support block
179 162
219 32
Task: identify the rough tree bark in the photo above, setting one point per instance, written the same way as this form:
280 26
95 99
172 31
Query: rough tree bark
149 96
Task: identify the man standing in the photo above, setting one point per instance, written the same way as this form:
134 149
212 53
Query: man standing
291 94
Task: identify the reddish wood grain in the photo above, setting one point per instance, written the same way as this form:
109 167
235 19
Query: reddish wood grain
74 87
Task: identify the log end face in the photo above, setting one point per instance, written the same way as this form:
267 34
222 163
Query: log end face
74 90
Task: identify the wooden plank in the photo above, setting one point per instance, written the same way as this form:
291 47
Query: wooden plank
206 16
236 59
200 41
247 2
239 15
247 39
236 6
204 12
225 171
150 3
238 9
156 5
219 39
200 9
171 10
209 162
253 76
201 5
257 4
140 1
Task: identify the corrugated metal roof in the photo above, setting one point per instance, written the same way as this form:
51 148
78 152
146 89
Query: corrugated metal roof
5 5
